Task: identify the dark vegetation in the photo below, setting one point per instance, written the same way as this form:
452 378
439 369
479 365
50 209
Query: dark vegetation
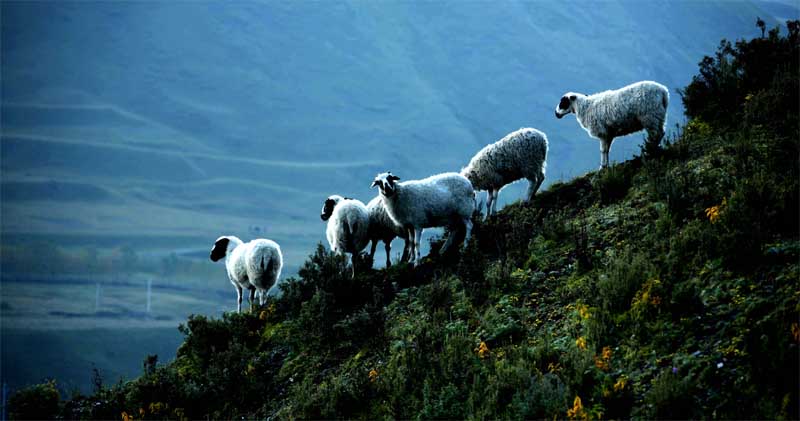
664 287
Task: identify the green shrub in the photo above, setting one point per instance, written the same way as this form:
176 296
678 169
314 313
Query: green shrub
38 402
670 398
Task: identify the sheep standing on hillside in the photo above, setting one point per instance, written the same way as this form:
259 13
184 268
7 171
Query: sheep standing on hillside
254 266
383 228
606 115
520 154
441 200
348 225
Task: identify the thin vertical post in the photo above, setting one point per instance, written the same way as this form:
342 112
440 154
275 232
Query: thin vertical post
149 293
97 298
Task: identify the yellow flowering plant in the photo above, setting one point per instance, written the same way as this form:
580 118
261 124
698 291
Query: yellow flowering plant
482 350
713 213
604 359
620 384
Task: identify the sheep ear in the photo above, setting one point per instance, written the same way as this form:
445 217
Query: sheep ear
374 184
392 177
572 97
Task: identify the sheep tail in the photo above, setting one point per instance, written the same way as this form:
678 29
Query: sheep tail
266 269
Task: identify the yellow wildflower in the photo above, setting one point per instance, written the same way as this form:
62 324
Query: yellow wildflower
126 417
482 350
373 375
713 213
179 414
577 412
796 331
620 384
156 407
581 342
141 413
262 315
602 362
583 311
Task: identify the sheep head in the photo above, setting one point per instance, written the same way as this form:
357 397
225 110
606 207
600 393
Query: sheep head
220 249
385 182
566 105
328 205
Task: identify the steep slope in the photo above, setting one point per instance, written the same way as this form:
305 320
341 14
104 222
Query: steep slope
664 287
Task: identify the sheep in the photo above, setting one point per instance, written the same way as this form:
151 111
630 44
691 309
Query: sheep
254 266
520 154
383 228
441 200
606 115
348 225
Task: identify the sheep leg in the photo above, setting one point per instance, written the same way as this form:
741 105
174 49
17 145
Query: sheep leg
387 245
655 135
449 242
239 300
533 187
605 146
372 250
252 297
468 234
494 200
412 251
406 247
417 239
488 203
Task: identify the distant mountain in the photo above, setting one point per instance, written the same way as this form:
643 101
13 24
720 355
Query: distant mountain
181 121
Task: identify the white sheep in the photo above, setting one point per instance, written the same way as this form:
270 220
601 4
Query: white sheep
383 228
606 115
441 200
520 154
348 225
254 266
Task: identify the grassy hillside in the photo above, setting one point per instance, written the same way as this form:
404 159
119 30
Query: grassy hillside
663 287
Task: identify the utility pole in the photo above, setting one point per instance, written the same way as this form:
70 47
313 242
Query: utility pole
97 298
149 293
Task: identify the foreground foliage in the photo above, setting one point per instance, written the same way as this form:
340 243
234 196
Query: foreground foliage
663 287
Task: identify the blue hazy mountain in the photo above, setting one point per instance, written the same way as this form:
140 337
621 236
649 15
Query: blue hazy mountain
160 126
187 120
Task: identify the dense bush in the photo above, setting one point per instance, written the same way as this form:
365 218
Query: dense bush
664 287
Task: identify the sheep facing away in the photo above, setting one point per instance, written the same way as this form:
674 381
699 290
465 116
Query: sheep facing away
609 114
348 225
383 228
441 200
520 154
255 265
